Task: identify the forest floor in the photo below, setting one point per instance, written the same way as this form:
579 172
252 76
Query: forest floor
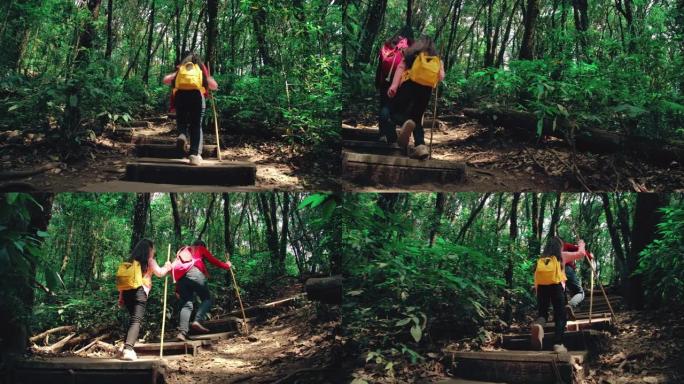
499 161
279 166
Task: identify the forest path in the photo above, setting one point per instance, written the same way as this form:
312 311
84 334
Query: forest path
276 164
497 159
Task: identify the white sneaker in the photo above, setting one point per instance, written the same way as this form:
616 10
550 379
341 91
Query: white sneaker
182 142
420 152
559 348
195 159
405 133
383 139
129 355
537 336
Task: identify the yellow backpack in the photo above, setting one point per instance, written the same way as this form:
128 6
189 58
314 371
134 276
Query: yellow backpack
129 276
425 70
549 271
189 77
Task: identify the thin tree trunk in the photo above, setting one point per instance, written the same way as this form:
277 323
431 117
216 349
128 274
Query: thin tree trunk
530 24
150 39
142 205
473 216
439 210
176 220
508 275
110 35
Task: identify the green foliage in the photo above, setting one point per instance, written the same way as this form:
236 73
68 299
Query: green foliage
661 264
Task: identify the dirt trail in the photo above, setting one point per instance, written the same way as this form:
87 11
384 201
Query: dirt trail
499 161
289 345
277 163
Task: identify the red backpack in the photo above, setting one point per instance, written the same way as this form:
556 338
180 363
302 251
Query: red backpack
391 57
184 255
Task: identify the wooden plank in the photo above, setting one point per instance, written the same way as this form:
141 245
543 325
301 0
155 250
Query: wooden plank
396 171
590 340
170 151
374 147
146 139
518 367
228 324
170 348
360 134
598 323
78 370
456 380
213 336
264 309
179 171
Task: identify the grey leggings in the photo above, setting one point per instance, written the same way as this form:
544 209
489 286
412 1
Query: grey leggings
194 282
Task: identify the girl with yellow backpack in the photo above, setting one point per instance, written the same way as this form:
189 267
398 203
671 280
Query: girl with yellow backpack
191 83
549 284
134 282
417 75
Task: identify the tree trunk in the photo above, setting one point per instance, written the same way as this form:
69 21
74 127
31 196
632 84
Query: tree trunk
530 24
110 34
150 40
14 33
409 12
647 215
285 217
142 205
327 289
439 210
176 221
207 217
259 23
555 216
507 35
473 216
614 236
369 32
508 275
212 32
228 241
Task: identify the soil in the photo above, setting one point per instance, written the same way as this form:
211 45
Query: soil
498 161
279 166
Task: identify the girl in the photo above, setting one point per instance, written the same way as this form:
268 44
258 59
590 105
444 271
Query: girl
390 56
191 81
135 300
573 285
191 278
411 99
549 279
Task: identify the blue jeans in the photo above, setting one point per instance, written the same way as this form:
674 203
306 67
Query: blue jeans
573 287
190 107
194 282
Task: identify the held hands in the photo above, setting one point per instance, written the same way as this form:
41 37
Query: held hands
392 91
167 265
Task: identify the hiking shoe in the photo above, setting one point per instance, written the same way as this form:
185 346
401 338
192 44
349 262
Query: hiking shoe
197 327
570 314
181 336
129 355
420 152
405 133
383 139
559 348
195 159
537 338
182 142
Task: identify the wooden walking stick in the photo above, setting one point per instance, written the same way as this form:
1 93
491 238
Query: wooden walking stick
237 291
591 293
605 296
216 130
434 120
166 287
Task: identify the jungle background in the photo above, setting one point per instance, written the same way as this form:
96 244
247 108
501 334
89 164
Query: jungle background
430 273
73 69
60 253
542 70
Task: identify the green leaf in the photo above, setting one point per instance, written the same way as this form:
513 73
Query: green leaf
540 126
313 201
403 322
359 381
417 333
42 234
355 293
13 107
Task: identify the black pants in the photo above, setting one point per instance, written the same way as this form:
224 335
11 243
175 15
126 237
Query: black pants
410 102
554 295
384 121
135 301
194 282
190 106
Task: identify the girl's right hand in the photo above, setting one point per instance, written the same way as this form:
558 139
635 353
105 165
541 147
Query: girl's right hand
392 91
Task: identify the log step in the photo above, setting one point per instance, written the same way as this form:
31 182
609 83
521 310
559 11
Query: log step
372 147
359 134
170 151
226 325
213 336
602 324
518 367
396 171
179 171
170 347
80 370
589 340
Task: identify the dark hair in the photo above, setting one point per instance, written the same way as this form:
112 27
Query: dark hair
141 253
404 33
199 242
553 247
423 44
191 57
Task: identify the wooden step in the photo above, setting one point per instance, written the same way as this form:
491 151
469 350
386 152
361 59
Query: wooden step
360 134
456 380
146 139
225 325
189 347
594 315
590 340
179 171
397 171
81 370
518 367
170 151
372 147
601 323
213 336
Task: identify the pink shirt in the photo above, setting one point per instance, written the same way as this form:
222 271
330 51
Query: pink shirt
199 253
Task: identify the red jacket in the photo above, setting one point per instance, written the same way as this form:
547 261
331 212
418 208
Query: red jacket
199 253
568 247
